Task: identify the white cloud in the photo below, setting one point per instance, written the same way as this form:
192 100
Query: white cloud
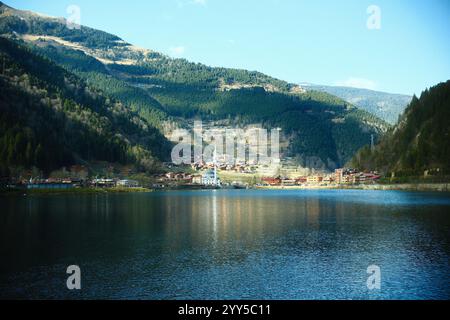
355 82
177 51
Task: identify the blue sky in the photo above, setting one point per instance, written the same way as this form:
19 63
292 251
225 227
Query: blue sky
316 41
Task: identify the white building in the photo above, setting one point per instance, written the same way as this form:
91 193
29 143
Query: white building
209 178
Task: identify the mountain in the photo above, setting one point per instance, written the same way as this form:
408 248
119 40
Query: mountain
321 130
419 142
51 118
386 106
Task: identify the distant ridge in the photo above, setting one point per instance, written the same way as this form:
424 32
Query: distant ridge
387 106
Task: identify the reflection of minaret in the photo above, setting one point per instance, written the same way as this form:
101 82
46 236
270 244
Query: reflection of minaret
214 214
372 142
215 166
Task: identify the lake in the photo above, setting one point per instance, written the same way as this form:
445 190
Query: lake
228 244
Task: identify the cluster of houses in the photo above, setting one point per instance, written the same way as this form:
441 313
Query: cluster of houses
340 176
171 179
237 167
114 183
208 178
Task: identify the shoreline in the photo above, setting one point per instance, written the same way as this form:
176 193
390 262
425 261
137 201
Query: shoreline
72 191
436 187
432 187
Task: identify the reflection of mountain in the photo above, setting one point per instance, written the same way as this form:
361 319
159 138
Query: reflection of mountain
386 106
226 244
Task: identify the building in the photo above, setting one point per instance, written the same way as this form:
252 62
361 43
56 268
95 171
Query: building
209 178
128 183
363 178
315 179
289 182
339 174
104 183
272 181
348 178
197 179
301 180
170 176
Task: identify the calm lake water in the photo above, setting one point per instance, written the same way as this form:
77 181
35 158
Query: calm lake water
227 245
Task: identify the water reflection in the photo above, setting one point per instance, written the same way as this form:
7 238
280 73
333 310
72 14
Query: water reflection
227 244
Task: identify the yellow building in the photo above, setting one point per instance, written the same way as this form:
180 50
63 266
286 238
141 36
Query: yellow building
315 179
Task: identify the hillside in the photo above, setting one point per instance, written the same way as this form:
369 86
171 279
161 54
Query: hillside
386 106
323 131
419 142
50 118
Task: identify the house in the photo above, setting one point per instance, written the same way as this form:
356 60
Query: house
367 178
315 179
197 179
104 183
271 181
289 182
170 176
128 183
339 174
347 179
301 180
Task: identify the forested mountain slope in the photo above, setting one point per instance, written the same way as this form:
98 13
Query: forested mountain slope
323 131
50 118
419 142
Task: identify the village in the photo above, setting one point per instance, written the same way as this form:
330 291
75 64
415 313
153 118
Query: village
211 177
207 176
